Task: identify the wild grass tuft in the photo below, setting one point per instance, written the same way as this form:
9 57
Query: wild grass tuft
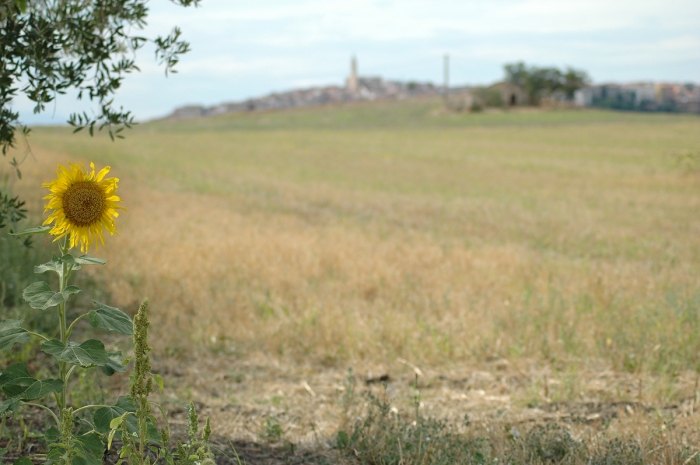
383 437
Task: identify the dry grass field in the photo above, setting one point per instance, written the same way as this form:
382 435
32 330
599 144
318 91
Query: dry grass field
518 259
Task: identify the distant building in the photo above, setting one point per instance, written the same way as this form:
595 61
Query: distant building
356 89
643 96
511 95
190 111
498 95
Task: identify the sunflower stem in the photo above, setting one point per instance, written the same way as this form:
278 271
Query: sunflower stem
62 283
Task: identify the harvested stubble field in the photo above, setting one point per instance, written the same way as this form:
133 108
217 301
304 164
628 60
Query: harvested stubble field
530 265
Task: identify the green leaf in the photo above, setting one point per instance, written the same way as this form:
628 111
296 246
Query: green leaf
103 417
12 405
24 460
52 434
92 449
110 438
14 371
89 353
69 260
107 419
117 422
39 388
37 230
17 383
115 364
40 296
90 260
54 300
55 265
22 5
111 319
11 333
159 381
70 290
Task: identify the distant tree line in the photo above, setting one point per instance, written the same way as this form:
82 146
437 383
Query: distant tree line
538 83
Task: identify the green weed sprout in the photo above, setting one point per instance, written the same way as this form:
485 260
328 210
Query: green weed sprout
83 204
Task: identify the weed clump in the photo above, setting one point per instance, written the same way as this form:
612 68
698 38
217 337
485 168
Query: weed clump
383 437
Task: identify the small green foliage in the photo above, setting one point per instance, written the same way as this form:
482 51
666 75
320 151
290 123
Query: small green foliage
195 449
132 420
67 420
192 422
141 382
272 431
551 444
206 432
12 209
616 452
66 450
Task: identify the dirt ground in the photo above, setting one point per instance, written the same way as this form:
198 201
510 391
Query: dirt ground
246 398
266 411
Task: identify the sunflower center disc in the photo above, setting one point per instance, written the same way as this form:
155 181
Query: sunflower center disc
83 203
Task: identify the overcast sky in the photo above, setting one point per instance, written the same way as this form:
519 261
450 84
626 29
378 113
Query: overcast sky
247 49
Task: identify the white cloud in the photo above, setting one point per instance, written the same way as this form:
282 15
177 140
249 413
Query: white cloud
315 21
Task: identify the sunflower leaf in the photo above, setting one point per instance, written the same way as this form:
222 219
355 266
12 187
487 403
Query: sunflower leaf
17 383
91 447
55 265
90 260
69 260
54 300
70 290
111 319
111 418
39 294
37 230
11 333
104 416
115 364
11 404
89 353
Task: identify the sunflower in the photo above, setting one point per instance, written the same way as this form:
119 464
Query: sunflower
83 203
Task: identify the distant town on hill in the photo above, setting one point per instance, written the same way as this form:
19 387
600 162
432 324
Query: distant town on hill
522 86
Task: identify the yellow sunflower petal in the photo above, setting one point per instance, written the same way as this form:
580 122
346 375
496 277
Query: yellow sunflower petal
82 204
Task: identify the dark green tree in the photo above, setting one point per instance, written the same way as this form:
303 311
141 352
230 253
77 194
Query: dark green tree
48 47
542 82
574 79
